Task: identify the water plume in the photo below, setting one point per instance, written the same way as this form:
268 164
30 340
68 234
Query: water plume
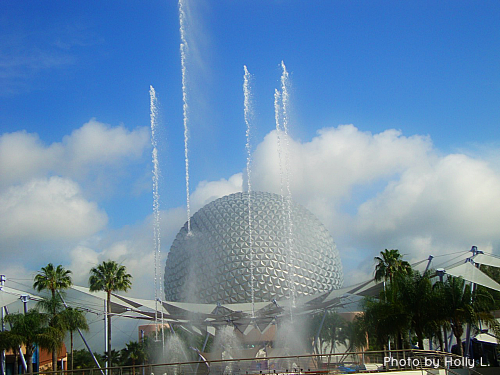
175 352
227 343
248 115
184 51
290 341
277 118
291 251
281 115
156 202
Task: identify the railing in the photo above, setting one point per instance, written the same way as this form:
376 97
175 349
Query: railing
323 364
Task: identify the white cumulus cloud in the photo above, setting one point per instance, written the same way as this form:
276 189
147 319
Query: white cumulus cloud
44 209
386 190
207 191
96 145
24 156
93 152
325 171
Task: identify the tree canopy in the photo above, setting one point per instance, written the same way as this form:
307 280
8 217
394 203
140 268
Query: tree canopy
109 276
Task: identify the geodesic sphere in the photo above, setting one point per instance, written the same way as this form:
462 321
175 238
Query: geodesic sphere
216 261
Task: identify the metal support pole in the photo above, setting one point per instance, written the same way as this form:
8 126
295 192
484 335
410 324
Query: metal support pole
440 273
142 342
23 361
428 263
2 354
472 289
385 297
203 350
316 338
106 349
163 328
205 342
25 298
83 338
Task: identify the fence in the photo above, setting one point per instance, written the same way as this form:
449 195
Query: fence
335 363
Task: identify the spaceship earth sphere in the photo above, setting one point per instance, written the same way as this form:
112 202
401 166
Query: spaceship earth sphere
214 262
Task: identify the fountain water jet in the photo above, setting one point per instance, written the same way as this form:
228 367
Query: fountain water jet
184 51
289 341
248 114
281 114
229 345
156 206
175 352
291 250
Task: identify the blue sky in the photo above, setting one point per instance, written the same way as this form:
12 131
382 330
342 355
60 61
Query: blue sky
416 84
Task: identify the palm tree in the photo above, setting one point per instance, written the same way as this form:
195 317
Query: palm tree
83 359
109 277
394 319
418 297
314 326
332 331
54 279
356 334
494 273
74 319
390 264
54 335
385 319
461 306
11 341
31 330
114 359
133 352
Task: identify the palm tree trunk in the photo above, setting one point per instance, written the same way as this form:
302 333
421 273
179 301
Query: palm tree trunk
54 351
54 359
457 332
16 362
445 340
330 356
400 341
29 362
439 334
459 345
71 339
420 339
108 307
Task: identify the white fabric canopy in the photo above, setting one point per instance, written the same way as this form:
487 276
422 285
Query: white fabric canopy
468 272
487 338
240 314
9 295
118 305
487 260
7 298
368 288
